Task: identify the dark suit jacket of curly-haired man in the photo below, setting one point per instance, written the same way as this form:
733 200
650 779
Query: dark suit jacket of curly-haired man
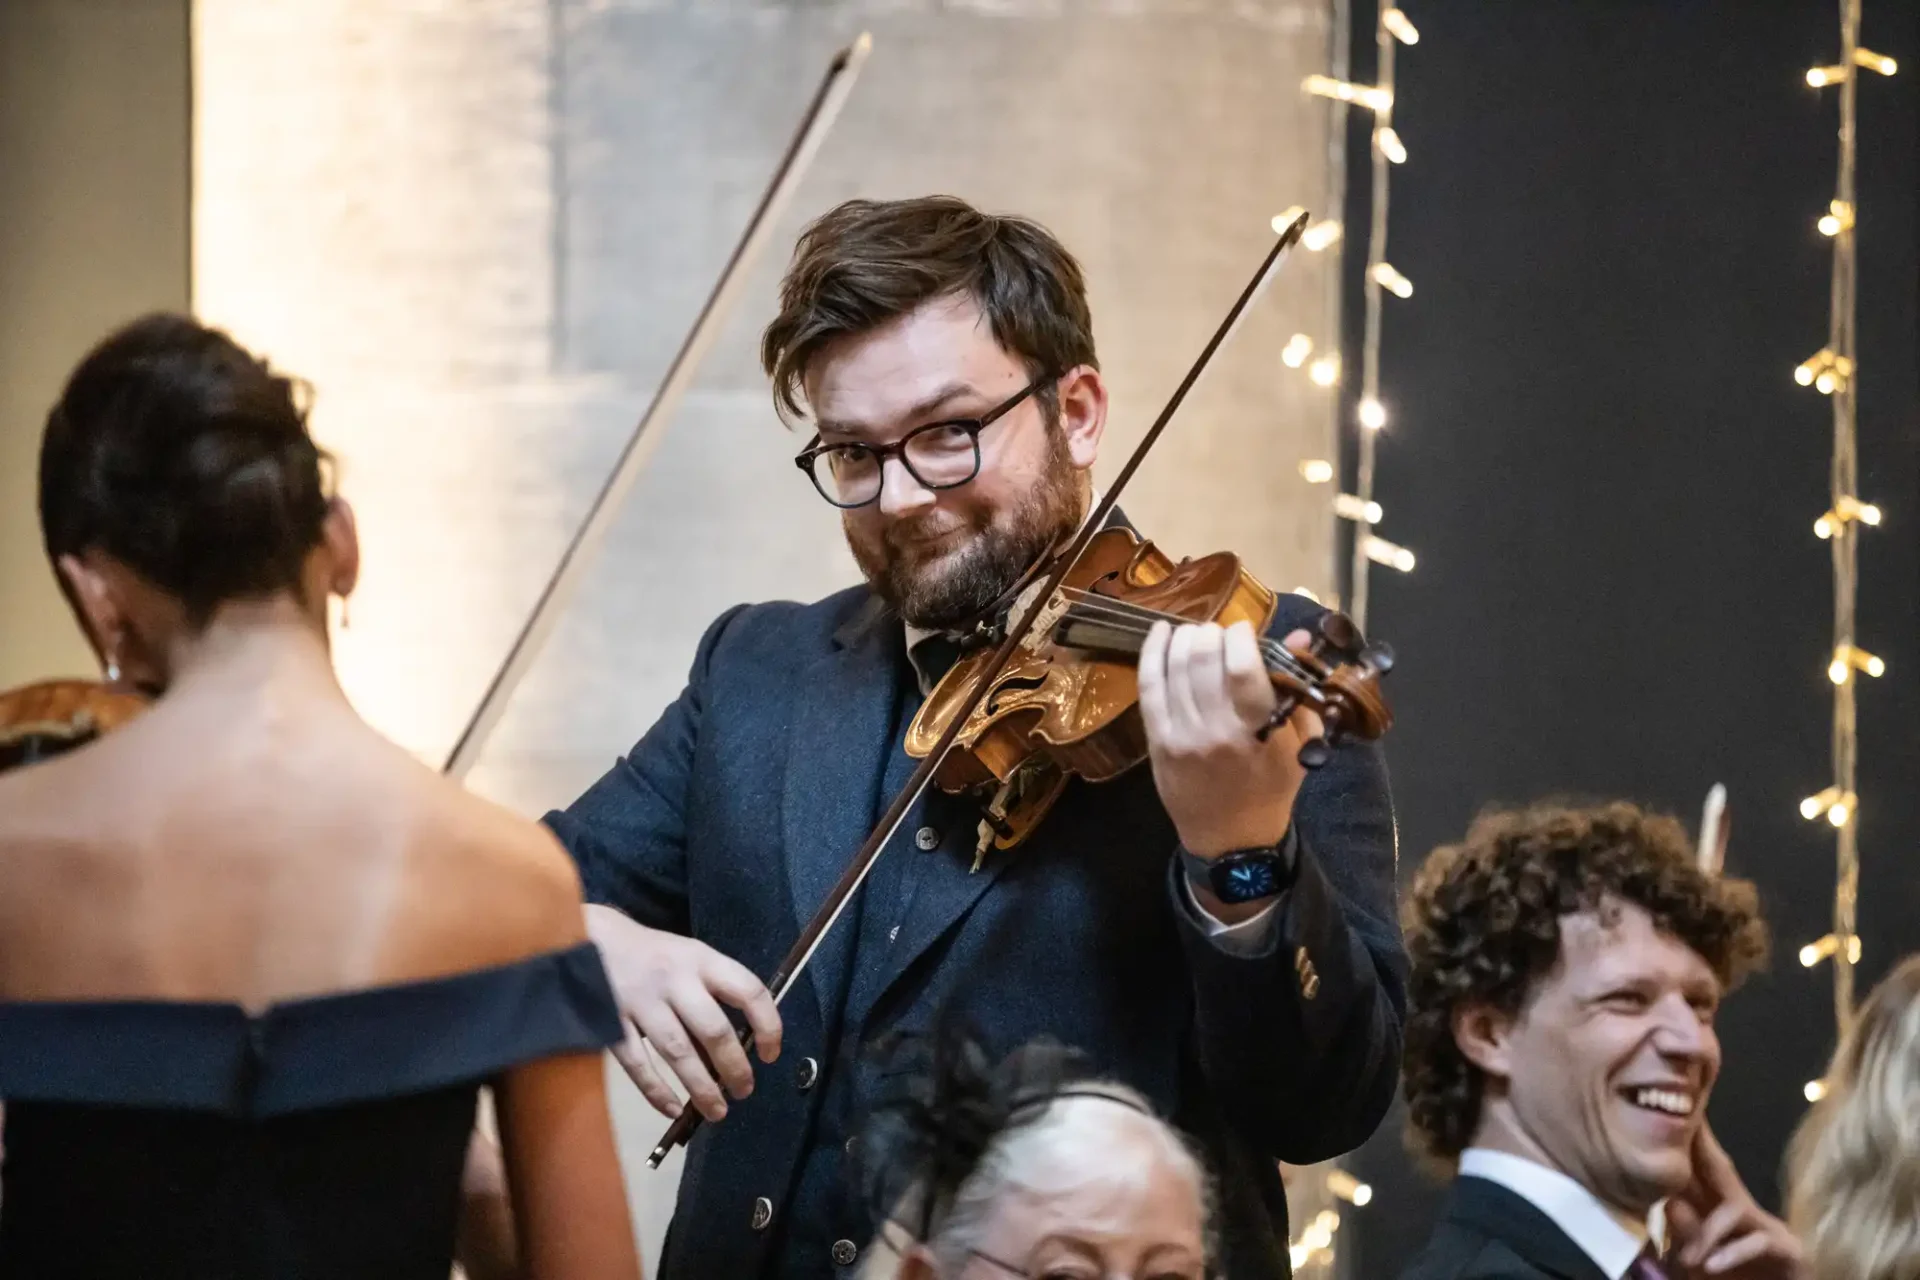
1566 967
946 361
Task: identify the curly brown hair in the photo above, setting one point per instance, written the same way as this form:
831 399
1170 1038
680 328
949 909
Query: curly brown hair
1483 926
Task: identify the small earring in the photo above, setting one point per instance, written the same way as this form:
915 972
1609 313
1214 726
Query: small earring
346 614
113 671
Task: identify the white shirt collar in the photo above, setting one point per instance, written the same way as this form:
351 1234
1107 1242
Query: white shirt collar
915 635
1611 1238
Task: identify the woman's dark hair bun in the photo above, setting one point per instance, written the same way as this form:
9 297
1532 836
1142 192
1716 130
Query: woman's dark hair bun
184 456
942 1104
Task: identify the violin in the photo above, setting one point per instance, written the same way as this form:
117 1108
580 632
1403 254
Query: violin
43 720
1066 703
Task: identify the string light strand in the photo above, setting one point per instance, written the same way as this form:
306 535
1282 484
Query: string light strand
1833 372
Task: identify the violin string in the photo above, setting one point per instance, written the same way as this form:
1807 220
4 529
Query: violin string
1127 619
1277 655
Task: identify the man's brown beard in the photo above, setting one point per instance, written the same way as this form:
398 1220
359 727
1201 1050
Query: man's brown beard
995 554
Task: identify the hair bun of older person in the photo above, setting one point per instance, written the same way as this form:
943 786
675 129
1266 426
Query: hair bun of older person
943 1103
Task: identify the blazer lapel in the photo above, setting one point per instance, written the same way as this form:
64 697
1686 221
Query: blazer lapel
837 753
1492 1210
949 889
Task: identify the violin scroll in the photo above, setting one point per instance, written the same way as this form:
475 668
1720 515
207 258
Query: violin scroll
1338 675
40 721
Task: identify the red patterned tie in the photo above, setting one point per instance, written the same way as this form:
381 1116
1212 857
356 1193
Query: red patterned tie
1647 1266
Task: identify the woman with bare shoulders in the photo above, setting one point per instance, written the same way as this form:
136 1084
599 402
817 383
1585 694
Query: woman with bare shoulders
256 962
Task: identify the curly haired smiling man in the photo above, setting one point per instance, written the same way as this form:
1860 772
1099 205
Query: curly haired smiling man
1560 1050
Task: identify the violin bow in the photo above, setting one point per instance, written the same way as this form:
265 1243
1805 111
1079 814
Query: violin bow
835 85
1018 626
1716 825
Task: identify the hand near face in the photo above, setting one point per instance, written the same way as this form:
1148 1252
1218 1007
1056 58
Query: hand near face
1204 696
1717 1228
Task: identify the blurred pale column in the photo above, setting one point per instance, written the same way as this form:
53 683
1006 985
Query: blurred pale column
481 228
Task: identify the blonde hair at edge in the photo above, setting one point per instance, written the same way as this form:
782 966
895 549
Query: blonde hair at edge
1854 1163
1069 1146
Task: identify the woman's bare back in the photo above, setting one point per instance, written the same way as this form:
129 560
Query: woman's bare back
259 845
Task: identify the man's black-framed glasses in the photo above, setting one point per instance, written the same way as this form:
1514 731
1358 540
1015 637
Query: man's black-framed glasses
939 455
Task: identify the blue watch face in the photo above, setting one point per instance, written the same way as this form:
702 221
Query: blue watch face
1244 879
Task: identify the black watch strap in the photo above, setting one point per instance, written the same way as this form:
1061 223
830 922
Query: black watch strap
1244 875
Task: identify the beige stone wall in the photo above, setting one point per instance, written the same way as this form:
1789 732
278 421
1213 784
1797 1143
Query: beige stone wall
481 227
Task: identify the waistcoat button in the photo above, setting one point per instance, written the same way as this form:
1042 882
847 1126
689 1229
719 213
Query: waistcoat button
844 1252
809 1072
762 1213
927 838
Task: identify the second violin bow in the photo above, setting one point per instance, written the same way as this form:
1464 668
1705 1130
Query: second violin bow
835 85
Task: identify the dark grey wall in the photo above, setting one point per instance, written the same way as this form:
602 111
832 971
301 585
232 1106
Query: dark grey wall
95 179
1598 450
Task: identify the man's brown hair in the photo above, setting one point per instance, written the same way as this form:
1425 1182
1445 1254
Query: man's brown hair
870 261
1483 927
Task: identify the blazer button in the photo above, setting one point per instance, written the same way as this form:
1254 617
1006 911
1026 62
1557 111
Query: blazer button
844 1252
1309 976
762 1213
927 838
809 1072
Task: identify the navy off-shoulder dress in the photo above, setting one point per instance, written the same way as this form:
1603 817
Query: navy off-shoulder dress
321 1139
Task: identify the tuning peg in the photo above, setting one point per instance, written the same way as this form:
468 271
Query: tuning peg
1339 634
1379 656
1315 753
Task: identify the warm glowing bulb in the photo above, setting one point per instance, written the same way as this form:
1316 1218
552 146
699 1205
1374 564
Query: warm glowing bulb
1815 1090
1868 514
1849 657
1392 281
1875 61
1821 77
1325 371
1321 234
1369 96
1348 1187
1840 813
1829 226
1823 528
1811 807
1404 31
1803 375
1316 471
1380 551
1825 383
1814 952
1295 353
1373 414
1390 145
1349 507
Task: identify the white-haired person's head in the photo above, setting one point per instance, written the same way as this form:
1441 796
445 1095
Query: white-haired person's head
1027 1168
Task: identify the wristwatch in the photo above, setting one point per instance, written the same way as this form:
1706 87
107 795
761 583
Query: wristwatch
1244 875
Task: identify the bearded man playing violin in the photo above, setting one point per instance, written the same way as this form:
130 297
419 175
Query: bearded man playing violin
946 361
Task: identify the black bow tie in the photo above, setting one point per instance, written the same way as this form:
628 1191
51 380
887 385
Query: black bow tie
935 655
